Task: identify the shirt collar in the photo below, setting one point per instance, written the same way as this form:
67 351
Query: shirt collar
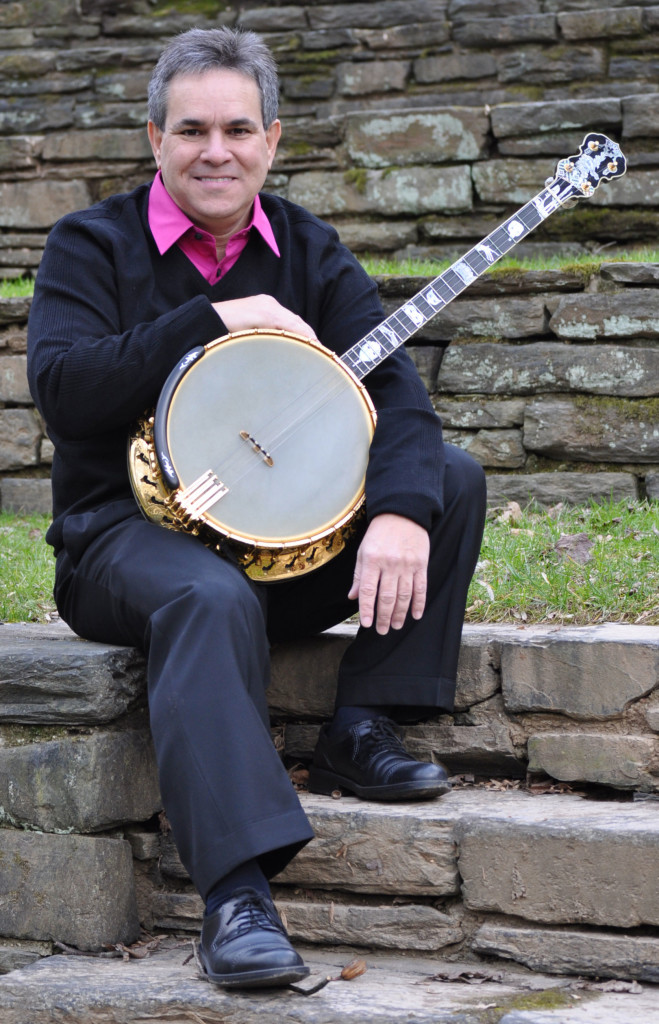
169 223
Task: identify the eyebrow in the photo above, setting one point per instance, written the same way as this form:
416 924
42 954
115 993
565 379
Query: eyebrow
194 122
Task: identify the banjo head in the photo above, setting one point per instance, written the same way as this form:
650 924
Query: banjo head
263 437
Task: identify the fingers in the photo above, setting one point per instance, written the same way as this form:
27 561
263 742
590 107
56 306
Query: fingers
261 311
390 578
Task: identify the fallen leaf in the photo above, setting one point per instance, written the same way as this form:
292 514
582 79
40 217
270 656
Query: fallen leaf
577 546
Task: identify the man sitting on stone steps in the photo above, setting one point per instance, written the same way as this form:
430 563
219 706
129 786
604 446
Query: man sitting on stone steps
125 289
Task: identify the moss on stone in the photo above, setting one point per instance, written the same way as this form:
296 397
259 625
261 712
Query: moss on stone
626 409
15 735
357 177
209 8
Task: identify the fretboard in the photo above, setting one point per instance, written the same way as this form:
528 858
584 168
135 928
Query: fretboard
384 339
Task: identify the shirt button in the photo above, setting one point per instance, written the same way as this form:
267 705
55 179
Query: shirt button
198 236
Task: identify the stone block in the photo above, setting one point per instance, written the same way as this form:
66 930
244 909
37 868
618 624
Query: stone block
424 136
104 144
38 204
480 413
19 953
545 367
638 188
261 20
589 672
409 927
26 494
609 23
79 783
468 10
386 926
498 449
541 65
454 67
554 116
384 13
652 485
550 488
571 951
14 311
414 190
18 152
427 359
484 748
596 868
361 848
509 180
375 76
631 313
13 380
499 317
20 434
624 762
398 37
49 676
73 889
533 28
630 273
597 429
304 673
640 117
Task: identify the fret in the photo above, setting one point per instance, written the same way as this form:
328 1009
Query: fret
452 281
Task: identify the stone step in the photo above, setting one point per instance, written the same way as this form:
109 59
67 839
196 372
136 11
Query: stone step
166 988
489 870
478 872
580 704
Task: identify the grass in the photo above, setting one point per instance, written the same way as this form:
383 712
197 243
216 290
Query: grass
21 287
569 564
529 569
384 266
27 569
16 287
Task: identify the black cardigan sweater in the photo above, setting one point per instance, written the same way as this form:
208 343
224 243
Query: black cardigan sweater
111 317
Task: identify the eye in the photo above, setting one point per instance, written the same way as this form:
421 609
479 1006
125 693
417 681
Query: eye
191 133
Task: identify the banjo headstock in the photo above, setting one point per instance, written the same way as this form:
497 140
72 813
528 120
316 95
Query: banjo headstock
599 159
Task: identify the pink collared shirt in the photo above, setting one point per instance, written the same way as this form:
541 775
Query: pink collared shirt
170 226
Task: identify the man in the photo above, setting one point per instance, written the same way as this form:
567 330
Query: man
125 289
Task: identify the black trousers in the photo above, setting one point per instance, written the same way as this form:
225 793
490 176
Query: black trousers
206 630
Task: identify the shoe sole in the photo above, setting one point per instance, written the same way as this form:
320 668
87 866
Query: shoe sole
273 977
327 783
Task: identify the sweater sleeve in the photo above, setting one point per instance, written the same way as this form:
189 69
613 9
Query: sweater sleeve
406 464
90 367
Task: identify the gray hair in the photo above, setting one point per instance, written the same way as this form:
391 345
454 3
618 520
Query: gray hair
199 50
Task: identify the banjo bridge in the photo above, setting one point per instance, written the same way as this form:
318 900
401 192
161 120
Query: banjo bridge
258 448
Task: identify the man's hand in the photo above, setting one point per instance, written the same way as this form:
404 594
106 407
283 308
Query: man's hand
260 311
391 572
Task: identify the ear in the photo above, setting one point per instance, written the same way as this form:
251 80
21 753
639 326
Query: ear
272 136
155 138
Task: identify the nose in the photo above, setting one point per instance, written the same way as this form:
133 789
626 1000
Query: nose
215 149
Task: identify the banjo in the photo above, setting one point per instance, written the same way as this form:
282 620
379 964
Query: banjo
259 441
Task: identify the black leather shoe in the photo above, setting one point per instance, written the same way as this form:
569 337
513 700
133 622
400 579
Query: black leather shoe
370 761
244 944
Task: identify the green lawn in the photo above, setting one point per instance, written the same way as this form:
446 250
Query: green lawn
578 565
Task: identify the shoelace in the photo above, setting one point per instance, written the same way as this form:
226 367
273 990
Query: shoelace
383 736
252 911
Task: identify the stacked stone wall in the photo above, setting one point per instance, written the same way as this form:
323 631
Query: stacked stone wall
415 126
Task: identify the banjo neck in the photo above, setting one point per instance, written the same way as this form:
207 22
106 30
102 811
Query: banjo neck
576 177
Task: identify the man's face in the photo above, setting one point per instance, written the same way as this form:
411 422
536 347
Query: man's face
214 153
